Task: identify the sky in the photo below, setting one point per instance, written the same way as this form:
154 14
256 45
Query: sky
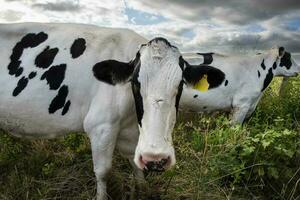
192 25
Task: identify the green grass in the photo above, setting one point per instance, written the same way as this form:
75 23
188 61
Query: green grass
260 160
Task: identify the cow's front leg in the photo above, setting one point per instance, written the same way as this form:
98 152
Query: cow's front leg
239 115
126 144
103 140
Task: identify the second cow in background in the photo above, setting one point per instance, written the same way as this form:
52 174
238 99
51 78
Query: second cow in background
246 79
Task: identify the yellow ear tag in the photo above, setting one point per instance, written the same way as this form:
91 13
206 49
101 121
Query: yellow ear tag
202 85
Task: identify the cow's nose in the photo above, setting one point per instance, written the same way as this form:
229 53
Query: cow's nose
155 163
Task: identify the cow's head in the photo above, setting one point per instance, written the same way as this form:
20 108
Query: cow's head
286 66
157 75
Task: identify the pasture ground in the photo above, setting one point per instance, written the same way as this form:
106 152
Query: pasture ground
260 160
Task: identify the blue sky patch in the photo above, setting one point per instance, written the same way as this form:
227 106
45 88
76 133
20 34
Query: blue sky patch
142 18
189 34
254 28
294 24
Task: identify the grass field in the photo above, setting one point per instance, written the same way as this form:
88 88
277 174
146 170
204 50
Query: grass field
260 160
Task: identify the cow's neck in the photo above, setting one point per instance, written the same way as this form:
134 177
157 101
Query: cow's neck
266 71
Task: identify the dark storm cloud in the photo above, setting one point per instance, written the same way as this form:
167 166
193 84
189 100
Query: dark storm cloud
231 11
248 41
59 6
239 24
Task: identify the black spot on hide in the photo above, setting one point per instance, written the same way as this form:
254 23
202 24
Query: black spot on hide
59 101
286 61
78 47
263 66
66 107
28 41
46 57
55 76
268 79
178 96
22 83
208 58
32 75
192 74
274 65
136 90
226 82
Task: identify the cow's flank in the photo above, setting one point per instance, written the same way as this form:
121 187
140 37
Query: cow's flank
54 75
78 47
28 41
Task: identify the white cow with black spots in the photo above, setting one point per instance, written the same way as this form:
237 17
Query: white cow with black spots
246 79
61 78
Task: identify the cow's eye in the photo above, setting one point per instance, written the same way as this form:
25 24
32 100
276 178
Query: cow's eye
159 101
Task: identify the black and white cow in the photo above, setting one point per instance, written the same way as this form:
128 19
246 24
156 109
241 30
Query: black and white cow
246 79
61 78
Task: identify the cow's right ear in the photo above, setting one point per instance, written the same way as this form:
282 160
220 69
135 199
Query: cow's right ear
281 51
113 71
202 77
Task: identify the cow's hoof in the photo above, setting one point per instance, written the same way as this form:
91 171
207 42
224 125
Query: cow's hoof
154 197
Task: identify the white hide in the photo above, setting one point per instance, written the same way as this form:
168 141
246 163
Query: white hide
244 86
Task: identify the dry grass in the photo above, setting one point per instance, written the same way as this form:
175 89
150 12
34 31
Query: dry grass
62 168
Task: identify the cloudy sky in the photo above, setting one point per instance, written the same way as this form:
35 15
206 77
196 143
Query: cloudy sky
192 25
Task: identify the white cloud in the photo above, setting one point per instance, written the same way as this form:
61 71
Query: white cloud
232 26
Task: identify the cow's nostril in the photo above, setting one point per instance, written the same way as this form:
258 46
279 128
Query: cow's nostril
164 161
157 166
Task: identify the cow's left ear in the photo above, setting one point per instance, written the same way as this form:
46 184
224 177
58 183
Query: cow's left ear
202 77
281 51
113 71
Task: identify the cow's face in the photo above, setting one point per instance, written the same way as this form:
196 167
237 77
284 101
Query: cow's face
157 76
286 66
157 84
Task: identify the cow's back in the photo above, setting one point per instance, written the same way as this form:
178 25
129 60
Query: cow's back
240 80
46 77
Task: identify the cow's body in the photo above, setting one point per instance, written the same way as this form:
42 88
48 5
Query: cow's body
62 78
82 88
76 101
246 79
